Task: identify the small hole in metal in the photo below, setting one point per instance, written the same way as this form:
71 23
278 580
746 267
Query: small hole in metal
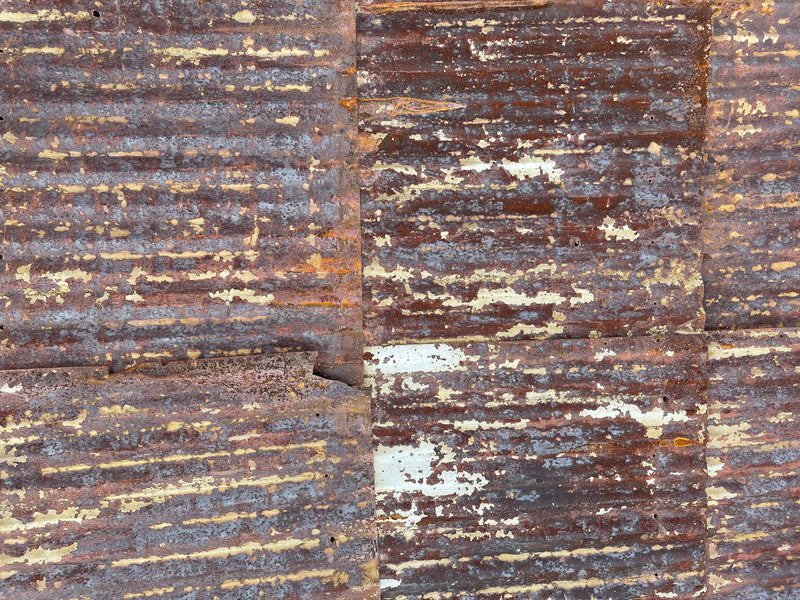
95 13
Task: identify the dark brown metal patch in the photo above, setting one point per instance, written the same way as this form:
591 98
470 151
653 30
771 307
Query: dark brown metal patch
531 169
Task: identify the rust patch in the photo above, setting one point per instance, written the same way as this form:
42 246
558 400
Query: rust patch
541 177
751 245
753 457
231 478
178 182
541 469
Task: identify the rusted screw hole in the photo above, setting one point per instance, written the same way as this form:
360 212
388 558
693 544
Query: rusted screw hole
95 13
655 515
2 118
317 414
333 539
2 327
665 399
577 243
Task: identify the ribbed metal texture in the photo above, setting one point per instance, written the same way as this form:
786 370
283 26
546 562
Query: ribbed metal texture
178 182
223 478
531 171
753 457
751 243
540 470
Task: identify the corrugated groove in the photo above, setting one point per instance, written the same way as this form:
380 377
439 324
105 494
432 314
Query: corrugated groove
532 172
178 182
536 469
753 457
230 478
751 245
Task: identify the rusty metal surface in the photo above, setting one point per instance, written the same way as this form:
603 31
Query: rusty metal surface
531 171
563 468
178 181
224 478
753 455
751 245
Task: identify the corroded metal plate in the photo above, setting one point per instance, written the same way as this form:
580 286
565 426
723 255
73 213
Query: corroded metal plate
223 478
531 169
540 469
178 182
751 244
753 456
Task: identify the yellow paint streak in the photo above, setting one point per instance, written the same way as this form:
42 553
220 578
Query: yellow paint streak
8 16
229 517
231 584
207 485
51 517
223 552
44 50
38 556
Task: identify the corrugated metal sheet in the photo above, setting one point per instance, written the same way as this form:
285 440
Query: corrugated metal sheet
752 264
531 171
225 478
178 181
753 457
540 469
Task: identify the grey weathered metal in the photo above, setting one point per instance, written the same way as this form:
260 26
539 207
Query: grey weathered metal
178 182
751 245
753 455
224 478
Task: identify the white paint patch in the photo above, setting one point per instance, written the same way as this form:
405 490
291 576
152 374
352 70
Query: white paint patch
610 230
528 167
390 583
507 296
414 358
653 419
396 167
7 389
473 163
718 493
585 296
410 469
598 356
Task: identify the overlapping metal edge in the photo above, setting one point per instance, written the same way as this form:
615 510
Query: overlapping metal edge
178 182
231 478
536 469
531 169
753 455
751 245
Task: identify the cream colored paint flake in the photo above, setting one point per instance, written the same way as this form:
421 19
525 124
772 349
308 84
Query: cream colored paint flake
289 120
244 16
610 230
